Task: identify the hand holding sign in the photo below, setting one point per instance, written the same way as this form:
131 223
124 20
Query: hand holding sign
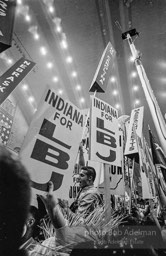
51 203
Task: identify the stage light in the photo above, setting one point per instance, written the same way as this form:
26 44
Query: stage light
43 50
74 74
137 102
25 87
9 61
51 9
49 65
36 36
112 79
60 91
117 106
27 18
58 29
55 79
64 44
115 92
31 99
19 2
133 74
131 59
78 87
135 87
82 100
69 59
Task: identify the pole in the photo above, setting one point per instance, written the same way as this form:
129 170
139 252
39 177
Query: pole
158 119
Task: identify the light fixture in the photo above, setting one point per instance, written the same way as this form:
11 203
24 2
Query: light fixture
55 79
49 65
25 87
117 106
112 79
133 74
131 59
74 74
60 91
69 59
51 9
78 87
58 29
9 61
43 50
137 102
31 99
115 92
135 87
27 18
36 36
82 100
64 44
19 2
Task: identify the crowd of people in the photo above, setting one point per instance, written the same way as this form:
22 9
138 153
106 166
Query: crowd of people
78 229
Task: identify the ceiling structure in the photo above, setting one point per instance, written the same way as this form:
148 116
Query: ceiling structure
66 39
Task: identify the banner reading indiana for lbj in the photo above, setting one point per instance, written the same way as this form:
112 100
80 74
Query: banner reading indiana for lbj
104 133
50 148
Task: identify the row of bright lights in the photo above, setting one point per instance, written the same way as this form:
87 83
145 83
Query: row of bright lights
69 59
44 51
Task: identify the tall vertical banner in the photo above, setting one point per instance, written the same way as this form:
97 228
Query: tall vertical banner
13 76
7 13
147 192
115 174
135 127
50 148
102 75
154 108
104 133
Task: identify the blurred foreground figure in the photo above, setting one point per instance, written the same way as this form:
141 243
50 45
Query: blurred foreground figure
14 203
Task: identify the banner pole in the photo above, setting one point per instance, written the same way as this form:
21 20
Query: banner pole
154 108
107 192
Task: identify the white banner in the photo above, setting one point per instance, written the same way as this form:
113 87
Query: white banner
116 175
147 192
136 123
104 133
50 148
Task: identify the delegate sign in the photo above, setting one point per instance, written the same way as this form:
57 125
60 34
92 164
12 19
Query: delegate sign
51 145
104 133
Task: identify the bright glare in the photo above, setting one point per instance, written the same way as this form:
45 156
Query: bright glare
31 99
51 9
74 74
60 91
131 59
58 29
78 87
36 36
27 18
55 79
9 61
117 106
135 88
137 102
69 59
50 65
82 100
19 2
133 74
43 50
115 92
112 79
25 87
64 44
